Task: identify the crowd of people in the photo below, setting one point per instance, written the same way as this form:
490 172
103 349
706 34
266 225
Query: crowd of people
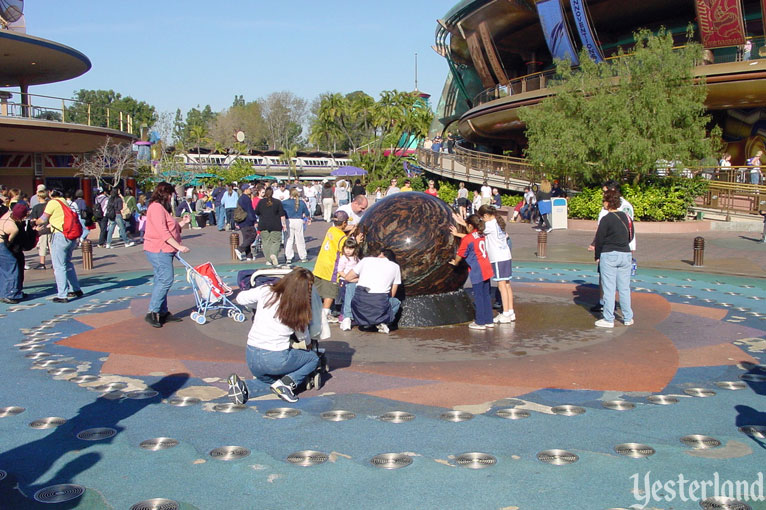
346 286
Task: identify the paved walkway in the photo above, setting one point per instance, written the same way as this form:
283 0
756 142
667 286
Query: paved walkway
96 364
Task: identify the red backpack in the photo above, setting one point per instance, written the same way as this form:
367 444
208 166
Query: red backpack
72 226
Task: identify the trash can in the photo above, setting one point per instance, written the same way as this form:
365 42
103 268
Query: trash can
559 213
202 220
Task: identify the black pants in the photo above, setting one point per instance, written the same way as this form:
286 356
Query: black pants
103 223
230 217
248 238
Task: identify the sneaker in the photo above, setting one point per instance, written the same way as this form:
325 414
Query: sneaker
108 246
239 254
325 333
304 260
75 294
60 300
237 389
628 323
288 262
345 324
473 325
274 259
382 328
332 319
9 301
40 267
549 229
601 323
131 243
490 325
284 391
505 319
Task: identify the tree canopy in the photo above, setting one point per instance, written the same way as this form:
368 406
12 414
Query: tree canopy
102 100
624 114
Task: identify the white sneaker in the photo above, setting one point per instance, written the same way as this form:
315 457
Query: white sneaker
131 243
345 324
325 334
108 246
501 318
274 260
473 325
601 323
490 325
382 328
332 319
628 323
239 254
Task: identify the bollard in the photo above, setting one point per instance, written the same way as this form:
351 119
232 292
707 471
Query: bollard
542 244
699 251
234 243
87 255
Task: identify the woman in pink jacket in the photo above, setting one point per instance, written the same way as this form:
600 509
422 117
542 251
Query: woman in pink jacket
162 240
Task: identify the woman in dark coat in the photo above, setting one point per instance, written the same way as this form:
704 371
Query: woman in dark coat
271 223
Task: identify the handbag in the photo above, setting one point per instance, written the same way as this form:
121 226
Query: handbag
240 214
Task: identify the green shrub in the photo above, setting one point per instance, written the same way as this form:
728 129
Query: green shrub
656 200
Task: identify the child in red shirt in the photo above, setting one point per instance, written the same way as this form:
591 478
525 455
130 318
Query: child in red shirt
474 250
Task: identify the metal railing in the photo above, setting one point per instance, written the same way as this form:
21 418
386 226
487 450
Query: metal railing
735 197
59 109
541 80
472 166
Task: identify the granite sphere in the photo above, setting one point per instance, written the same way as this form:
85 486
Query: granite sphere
415 226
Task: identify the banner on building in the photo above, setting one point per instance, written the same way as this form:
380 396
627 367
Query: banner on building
585 30
556 31
721 22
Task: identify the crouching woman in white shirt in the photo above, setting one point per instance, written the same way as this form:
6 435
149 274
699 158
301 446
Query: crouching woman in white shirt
281 310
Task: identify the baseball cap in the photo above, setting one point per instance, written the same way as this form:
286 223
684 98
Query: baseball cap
40 187
244 187
340 216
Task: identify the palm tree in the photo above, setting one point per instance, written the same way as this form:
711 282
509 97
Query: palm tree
199 134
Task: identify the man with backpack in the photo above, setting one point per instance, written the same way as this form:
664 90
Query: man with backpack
66 229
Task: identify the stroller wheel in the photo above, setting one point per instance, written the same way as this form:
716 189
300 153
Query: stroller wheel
201 319
232 313
309 383
317 380
239 317
194 316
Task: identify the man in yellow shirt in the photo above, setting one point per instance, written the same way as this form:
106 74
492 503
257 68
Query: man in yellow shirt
67 284
407 185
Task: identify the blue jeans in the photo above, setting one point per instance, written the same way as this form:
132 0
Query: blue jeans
162 263
482 301
615 275
11 273
220 216
755 178
85 230
110 230
63 269
347 297
268 366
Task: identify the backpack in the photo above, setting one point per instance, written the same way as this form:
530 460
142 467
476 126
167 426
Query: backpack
72 226
88 214
111 213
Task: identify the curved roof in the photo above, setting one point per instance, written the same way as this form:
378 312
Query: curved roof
19 134
35 61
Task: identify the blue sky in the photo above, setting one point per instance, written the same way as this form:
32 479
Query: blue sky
180 54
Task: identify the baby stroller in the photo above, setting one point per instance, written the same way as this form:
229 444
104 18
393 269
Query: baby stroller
209 292
271 275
